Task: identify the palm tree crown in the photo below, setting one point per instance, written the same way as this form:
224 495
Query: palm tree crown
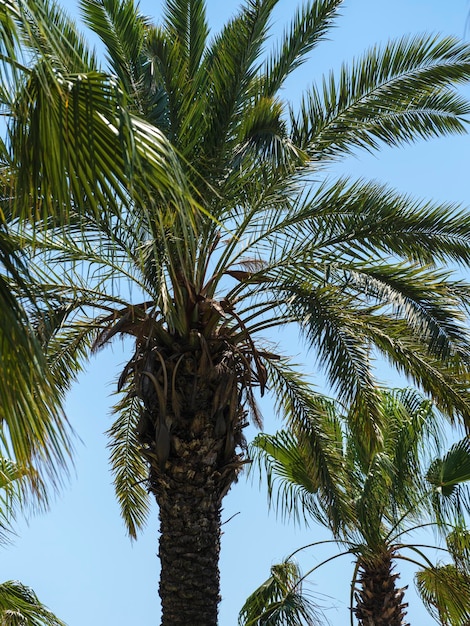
182 170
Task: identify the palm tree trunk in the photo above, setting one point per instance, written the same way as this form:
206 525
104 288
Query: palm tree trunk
189 433
189 555
189 494
378 601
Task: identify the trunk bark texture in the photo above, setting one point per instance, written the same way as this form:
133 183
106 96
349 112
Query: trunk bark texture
190 430
379 602
189 498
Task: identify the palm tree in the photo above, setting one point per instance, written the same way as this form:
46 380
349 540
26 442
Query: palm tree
377 497
178 199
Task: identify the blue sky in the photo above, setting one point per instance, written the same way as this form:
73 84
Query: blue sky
77 557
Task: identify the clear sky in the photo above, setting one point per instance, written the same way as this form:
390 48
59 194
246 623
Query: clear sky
77 557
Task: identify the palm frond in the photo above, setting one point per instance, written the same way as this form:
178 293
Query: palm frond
445 590
294 475
61 165
46 30
453 469
308 463
185 21
129 470
309 26
121 27
13 495
35 432
412 437
263 131
343 350
359 217
232 65
281 601
397 94
19 606
458 545
443 379
449 477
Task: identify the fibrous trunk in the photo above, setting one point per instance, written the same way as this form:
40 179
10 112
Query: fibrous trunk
190 428
189 498
378 601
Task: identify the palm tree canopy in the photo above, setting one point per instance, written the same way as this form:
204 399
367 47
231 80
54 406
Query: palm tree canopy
217 207
322 468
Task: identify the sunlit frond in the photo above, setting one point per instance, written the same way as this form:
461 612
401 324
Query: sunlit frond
281 601
47 31
445 590
396 94
309 25
19 606
232 64
121 27
129 470
355 218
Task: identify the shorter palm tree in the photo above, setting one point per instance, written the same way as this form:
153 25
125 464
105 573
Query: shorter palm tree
380 494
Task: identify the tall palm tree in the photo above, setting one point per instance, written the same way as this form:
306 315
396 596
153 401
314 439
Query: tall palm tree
179 199
376 499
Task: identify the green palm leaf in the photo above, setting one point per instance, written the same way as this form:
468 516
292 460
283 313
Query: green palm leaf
19 606
445 590
122 29
35 432
280 601
449 477
308 28
129 470
186 23
393 95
